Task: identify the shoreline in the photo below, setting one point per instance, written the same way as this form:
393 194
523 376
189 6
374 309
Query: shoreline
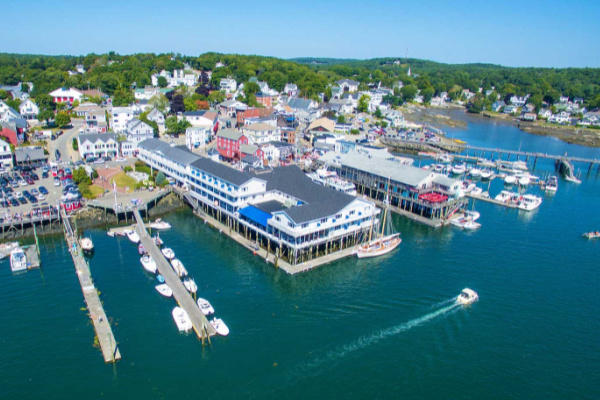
457 117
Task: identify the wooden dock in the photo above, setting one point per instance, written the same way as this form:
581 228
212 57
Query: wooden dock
201 325
490 200
104 333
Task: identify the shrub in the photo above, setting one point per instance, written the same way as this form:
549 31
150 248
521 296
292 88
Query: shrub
161 180
75 145
128 168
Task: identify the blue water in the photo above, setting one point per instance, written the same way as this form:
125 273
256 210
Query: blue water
383 328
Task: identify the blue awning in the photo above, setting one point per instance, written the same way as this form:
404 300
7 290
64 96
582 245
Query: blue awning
254 214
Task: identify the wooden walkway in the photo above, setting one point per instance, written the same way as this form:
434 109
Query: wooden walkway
104 333
201 325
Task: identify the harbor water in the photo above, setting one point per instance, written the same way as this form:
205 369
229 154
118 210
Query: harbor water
383 328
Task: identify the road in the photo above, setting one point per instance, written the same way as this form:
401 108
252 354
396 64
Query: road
64 143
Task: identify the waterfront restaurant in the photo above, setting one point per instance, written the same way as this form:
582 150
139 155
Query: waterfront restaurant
280 209
431 196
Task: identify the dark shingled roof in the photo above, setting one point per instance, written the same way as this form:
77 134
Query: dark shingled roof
318 201
178 154
221 171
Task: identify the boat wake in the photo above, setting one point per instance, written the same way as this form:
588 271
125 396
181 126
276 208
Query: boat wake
443 303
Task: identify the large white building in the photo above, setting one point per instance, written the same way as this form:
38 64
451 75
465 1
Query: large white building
98 145
66 95
228 85
6 157
281 208
120 117
260 133
197 136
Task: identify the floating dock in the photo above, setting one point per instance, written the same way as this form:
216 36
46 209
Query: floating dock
201 325
104 333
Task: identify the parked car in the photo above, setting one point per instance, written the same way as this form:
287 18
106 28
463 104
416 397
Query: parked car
43 190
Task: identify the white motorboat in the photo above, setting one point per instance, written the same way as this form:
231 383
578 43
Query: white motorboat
9 246
86 244
18 260
133 236
471 225
485 195
475 172
439 168
552 184
591 235
467 296
529 202
157 240
477 191
182 320
486 173
178 267
468 186
205 306
168 253
148 264
573 179
524 180
510 179
459 169
159 224
164 290
504 196
190 285
444 158
110 233
486 163
522 165
220 326
473 215
467 220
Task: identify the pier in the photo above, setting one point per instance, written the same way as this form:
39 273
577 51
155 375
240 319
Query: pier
104 333
203 328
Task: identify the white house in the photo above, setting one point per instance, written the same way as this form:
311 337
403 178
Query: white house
560 118
545 113
519 101
66 95
348 85
97 145
291 89
201 118
197 136
6 157
260 133
138 131
119 117
157 117
9 115
28 109
228 85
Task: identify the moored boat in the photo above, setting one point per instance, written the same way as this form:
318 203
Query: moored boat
164 290
157 240
467 296
110 233
159 224
133 236
486 173
190 285
475 172
510 179
178 267
148 264
18 260
141 249
524 180
220 326
182 320
205 306
459 169
168 253
86 244
552 184
529 202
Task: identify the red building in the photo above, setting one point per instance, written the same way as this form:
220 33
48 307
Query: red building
229 142
264 99
252 113
13 131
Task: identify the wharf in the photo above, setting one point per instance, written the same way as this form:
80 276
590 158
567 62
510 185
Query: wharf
33 258
104 333
431 222
201 325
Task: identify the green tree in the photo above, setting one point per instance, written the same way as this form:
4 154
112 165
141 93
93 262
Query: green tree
363 103
46 115
378 113
160 102
176 127
45 102
13 103
75 144
3 94
427 94
122 97
190 104
216 97
328 94
162 82
62 119
341 119
409 92
161 180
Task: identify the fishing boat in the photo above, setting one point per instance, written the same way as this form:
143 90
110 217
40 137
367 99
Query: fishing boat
592 235
459 169
86 244
529 202
178 267
220 326
182 320
133 236
205 306
552 184
383 244
486 173
190 285
168 253
141 249
164 290
467 296
18 260
159 224
157 240
148 264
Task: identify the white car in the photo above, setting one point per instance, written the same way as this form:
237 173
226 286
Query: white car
41 197
120 159
22 182
56 182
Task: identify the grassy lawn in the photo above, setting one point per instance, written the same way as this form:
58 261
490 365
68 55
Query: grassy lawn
96 190
123 180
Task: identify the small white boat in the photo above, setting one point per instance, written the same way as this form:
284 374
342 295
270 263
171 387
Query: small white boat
486 173
468 186
522 165
467 221
164 290
504 196
168 253
471 225
475 172
9 246
467 296
529 202
524 180
110 233
190 285
220 326
18 260
477 191
439 168
158 241
182 320
485 195
86 244
205 306
445 158
572 179
459 169
510 179
133 236
552 184
141 249
592 235
148 264
178 267
159 224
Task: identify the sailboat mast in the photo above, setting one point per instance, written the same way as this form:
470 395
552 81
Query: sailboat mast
386 202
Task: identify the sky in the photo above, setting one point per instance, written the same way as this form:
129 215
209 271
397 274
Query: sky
521 33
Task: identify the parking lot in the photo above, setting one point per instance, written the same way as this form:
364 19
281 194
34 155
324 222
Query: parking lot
28 191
